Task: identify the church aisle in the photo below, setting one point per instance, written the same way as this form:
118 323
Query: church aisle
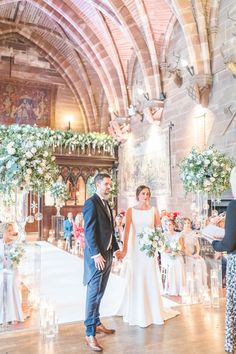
196 331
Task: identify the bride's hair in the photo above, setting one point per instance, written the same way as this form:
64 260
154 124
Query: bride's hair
140 188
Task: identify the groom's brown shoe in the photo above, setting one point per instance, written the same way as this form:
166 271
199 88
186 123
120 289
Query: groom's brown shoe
93 344
102 329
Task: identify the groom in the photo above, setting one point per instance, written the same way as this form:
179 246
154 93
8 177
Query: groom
100 243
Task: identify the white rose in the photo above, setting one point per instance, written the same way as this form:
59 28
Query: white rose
154 244
33 150
45 154
11 150
29 171
39 143
40 171
28 155
9 164
22 162
53 158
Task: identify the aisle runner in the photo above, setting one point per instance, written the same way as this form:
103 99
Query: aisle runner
62 284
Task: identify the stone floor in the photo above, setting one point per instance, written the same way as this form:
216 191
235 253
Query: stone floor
196 330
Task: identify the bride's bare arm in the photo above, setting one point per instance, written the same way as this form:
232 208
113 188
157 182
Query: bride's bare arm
157 219
128 220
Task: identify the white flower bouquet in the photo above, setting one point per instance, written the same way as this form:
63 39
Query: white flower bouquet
174 248
151 241
16 253
207 171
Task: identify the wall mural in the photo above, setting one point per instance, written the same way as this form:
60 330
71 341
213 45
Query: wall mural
26 103
146 162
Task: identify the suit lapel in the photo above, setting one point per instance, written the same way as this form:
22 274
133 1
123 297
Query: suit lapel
98 199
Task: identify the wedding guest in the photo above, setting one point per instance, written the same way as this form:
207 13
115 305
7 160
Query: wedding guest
172 261
194 263
228 244
10 300
78 231
68 230
119 229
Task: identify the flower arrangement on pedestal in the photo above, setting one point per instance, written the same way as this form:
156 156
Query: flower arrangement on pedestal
205 174
60 193
207 171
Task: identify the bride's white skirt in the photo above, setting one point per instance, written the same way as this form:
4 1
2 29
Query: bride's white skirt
141 301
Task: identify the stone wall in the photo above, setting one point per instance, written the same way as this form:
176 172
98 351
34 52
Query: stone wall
192 124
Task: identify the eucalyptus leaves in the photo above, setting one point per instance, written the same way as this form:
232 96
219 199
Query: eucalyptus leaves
206 171
26 154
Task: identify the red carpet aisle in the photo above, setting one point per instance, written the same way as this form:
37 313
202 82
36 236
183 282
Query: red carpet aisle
61 284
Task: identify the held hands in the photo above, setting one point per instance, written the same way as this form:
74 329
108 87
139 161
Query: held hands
120 254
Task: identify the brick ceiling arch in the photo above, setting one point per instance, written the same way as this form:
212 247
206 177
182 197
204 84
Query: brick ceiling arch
93 42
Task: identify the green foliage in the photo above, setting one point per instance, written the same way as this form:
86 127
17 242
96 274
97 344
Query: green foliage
207 171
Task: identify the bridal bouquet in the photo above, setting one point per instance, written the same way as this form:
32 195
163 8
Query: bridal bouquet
16 253
151 241
174 247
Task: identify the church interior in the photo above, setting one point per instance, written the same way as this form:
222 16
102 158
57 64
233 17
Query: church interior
141 90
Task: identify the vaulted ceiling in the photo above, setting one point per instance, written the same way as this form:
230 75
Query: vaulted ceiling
95 44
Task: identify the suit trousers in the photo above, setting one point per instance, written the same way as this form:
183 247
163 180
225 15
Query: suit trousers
95 291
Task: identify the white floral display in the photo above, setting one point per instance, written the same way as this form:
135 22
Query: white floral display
207 171
59 191
151 241
16 253
26 154
26 159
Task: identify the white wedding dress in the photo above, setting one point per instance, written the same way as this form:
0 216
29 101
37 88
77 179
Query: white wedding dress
141 303
10 296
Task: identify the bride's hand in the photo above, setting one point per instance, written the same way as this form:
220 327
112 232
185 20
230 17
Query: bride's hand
122 254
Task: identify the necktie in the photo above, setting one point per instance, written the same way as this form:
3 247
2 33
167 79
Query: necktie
107 208
109 214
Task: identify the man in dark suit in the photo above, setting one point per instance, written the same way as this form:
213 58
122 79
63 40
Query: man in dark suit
100 243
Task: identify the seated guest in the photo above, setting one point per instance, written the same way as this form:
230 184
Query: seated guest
191 248
78 230
172 262
68 230
119 229
10 295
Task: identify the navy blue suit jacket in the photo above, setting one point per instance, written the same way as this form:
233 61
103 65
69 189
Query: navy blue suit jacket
98 228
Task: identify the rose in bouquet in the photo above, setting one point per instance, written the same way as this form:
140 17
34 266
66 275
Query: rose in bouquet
16 253
174 248
151 240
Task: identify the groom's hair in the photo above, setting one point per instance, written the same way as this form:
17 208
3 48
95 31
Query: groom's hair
100 176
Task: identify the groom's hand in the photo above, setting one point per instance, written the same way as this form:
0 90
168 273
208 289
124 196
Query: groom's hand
99 262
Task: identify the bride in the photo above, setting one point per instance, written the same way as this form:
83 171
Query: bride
141 303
